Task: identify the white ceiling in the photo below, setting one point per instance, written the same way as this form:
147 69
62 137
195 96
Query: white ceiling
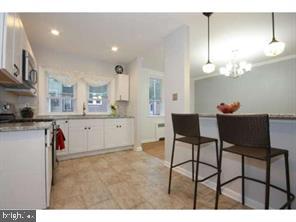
141 34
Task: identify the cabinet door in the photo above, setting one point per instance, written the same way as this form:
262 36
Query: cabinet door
122 87
126 131
112 133
63 124
118 133
95 135
77 136
8 42
17 50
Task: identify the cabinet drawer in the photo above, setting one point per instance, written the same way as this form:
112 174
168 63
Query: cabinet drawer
77 123
94 123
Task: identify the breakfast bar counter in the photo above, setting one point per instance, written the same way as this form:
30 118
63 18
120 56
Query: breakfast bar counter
282 135
271 116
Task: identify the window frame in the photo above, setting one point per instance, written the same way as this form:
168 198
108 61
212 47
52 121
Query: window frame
158 77
108 99
48 97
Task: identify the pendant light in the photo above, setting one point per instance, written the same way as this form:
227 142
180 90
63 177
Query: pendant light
275 47
208 67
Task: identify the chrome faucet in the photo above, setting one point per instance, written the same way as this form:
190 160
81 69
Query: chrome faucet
83 109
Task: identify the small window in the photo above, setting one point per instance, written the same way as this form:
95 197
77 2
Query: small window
60 96
155 97
98 99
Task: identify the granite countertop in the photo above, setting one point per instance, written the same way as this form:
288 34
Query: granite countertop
8 127
271 116
67 117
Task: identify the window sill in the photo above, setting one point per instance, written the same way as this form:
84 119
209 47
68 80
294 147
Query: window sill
73 114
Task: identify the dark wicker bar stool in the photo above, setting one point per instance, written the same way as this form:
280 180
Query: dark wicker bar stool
187 126
250 137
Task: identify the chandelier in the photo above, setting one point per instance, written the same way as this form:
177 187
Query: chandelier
235 68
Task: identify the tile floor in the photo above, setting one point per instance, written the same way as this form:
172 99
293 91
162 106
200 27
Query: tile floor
126 180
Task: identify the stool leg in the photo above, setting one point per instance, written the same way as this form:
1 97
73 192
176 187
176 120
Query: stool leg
171 167
218 188
287 179
217 156
243 180
192 162
267 186
196 176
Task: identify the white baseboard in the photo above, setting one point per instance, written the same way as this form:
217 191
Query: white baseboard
226 191
92 153
149 140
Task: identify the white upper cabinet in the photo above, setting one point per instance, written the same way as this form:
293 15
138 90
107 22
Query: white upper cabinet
17 51
13 40
122 87
7 44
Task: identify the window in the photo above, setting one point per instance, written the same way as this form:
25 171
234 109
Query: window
98 99
60 96
155 97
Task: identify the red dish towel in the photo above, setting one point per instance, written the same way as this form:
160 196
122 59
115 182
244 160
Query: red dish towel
60 140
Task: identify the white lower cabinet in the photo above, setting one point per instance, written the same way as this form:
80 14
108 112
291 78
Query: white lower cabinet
77 136
25 170
95 135
86 135
83 135
118 132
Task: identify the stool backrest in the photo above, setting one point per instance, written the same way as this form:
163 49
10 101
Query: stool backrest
186 124
244 130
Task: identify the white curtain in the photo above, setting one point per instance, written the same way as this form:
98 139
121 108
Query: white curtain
73 77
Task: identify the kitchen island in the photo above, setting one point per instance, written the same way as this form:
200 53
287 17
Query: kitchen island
25 165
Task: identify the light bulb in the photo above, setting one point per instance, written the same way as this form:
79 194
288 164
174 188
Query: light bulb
248 67
55 32
274 48
223 70
208 68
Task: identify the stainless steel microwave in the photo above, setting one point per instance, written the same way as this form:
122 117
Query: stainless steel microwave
29 69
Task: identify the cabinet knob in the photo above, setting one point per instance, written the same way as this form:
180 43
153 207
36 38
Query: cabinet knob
66 121
85 128
89 128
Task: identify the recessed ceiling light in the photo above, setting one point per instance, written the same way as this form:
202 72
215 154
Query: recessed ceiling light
114 48
55 32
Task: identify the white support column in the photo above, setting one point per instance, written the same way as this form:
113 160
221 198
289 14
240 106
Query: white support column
134 108
176 80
